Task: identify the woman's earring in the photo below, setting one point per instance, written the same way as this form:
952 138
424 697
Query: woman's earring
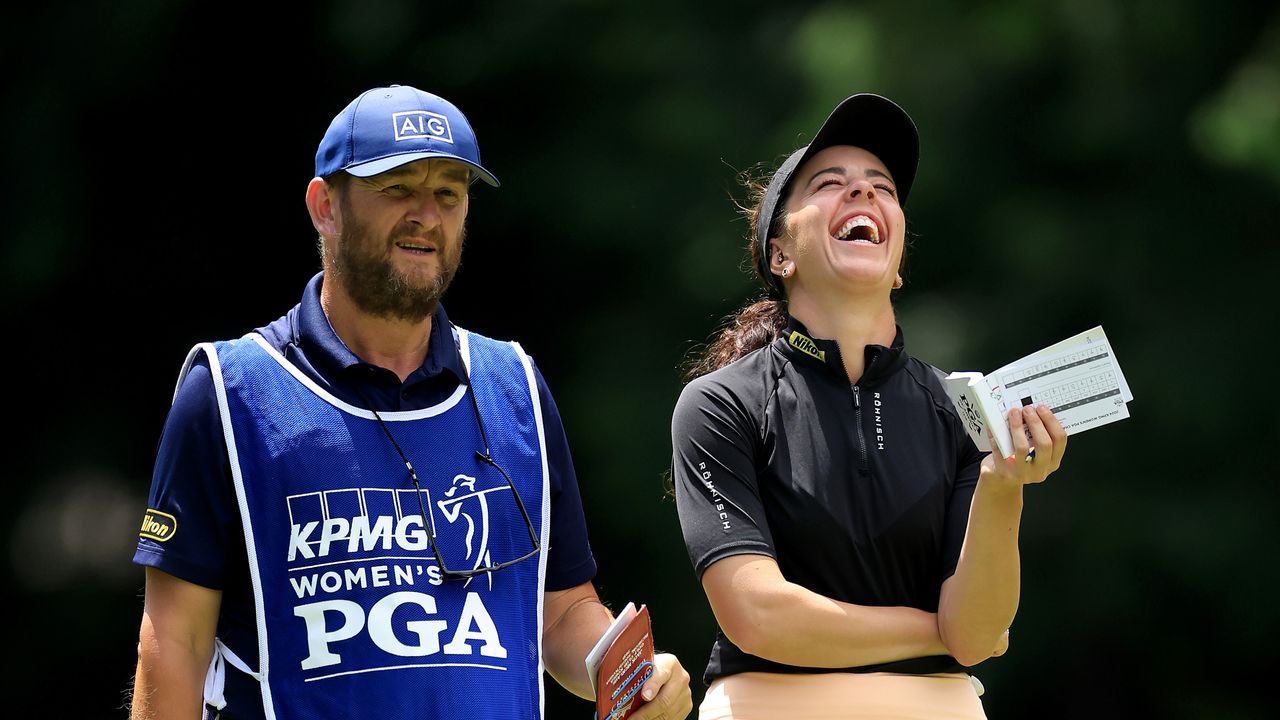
786 271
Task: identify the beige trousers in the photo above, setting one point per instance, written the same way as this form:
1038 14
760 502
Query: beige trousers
842 696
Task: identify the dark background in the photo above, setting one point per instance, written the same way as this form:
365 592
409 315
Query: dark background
1084 162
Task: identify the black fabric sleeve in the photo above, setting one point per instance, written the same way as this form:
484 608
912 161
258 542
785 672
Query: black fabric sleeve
714 441
569 559
968 464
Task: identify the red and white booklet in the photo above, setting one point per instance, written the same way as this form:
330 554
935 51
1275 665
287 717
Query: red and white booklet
620 663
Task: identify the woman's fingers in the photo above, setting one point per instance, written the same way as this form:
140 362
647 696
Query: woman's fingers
1017 429
1043 444
1057 433
1039 442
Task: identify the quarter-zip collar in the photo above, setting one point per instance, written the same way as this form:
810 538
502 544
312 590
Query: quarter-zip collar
800 346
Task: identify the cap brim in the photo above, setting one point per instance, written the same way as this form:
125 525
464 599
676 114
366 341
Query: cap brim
381 165
875 124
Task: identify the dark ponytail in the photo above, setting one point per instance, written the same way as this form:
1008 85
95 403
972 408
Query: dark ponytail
750 329
758 323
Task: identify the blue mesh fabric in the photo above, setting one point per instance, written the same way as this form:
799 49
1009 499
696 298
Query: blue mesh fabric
358 622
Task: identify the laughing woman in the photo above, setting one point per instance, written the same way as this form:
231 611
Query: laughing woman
859 552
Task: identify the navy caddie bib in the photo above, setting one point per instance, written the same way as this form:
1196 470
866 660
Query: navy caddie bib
354 616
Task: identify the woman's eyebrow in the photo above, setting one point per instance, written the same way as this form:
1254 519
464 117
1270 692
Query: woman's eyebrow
871 172
834 169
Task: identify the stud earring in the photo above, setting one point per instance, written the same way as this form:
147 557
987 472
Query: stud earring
786 271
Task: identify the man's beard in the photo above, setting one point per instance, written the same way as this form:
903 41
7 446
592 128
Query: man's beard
377 287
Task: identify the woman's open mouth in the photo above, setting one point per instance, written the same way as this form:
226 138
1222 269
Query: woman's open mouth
860 228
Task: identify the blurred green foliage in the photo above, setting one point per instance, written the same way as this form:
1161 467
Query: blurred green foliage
1083 162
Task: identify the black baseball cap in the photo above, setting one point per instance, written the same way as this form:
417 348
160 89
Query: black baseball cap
866 120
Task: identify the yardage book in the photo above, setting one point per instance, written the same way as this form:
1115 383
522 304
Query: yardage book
1078 379
620 663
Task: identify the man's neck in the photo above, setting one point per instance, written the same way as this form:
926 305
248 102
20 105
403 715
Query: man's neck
397 345
853 325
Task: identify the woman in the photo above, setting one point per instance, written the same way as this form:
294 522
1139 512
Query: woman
857 549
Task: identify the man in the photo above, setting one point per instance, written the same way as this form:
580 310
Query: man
360 510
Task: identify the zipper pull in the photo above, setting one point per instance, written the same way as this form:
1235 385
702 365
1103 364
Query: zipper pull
856 400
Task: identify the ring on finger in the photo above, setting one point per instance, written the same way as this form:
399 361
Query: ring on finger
1030 455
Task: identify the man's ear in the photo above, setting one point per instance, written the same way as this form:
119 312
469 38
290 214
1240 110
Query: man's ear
322 204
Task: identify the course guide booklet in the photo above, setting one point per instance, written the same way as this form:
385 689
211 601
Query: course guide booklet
620 663
1079 379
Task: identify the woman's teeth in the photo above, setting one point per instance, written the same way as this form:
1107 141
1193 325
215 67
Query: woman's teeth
861 228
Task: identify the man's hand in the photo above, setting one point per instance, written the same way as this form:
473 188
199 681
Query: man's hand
666 692
1002 647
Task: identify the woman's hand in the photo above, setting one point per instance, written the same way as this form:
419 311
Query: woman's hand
1032 460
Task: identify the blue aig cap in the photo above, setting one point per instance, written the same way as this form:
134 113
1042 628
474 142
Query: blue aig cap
387 127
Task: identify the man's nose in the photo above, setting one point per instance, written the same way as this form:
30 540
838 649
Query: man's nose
424 211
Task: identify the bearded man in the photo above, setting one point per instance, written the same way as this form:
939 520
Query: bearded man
360 509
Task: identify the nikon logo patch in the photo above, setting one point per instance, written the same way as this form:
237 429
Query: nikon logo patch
806 345
158 525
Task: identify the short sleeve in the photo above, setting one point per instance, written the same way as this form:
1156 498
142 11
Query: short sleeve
569 560
967 466
191 489
714 447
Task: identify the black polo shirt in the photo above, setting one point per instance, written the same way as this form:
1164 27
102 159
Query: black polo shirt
860 492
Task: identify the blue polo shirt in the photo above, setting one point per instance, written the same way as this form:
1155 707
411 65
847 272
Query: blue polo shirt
192 478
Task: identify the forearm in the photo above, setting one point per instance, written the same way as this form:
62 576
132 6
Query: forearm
567 641
175 644
979 601
769 617
170 678
800 627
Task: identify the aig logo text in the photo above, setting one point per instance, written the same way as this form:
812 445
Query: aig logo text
420 124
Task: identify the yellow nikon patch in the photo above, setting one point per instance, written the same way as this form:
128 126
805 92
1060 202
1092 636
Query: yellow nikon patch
806 345
158 525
